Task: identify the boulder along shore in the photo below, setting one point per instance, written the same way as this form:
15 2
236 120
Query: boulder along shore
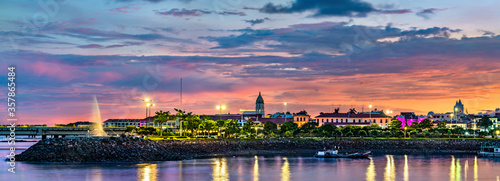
141 150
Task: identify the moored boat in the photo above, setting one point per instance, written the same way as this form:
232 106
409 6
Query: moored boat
489 150
335 154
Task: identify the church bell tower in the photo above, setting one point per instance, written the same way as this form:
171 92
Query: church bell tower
259 105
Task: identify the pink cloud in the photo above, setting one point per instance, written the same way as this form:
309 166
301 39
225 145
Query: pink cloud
54 70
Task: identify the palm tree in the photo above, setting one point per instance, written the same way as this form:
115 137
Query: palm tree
160 118
202 127
181 116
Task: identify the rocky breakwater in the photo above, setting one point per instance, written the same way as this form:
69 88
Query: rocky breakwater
98 150
140 150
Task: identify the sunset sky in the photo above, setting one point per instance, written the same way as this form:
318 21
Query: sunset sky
417 56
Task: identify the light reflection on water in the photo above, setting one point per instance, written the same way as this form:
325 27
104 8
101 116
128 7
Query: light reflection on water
390 169
256 169
370 171
220 169
383 167
285 170
147 172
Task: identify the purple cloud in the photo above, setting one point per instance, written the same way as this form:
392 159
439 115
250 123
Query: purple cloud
426 13
196 12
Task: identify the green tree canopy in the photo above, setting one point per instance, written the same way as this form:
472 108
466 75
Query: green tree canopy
374 126
248 126
394 124
308 127
441 125
485 122
270 127
231 127
425 124
329 129
362 133
289 126
160 118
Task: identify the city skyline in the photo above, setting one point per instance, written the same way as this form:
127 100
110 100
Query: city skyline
395 55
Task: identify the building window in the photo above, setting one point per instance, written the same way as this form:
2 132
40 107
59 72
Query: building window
341 120
337 120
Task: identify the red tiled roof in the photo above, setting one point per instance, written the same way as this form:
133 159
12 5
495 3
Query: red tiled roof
274 120
345 115
363 123
123 120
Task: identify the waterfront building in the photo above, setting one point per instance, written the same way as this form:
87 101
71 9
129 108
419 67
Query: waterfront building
281 115
409 118
301 118
493 118
342 119
438 117
458 117
124 122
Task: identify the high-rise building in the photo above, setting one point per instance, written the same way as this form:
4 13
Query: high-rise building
259 105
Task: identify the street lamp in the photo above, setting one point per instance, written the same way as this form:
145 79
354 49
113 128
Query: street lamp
370 106
147 100
148 109
220 108
451 120
285 109
405 131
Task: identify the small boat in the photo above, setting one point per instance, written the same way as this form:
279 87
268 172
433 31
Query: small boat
489 150
335 154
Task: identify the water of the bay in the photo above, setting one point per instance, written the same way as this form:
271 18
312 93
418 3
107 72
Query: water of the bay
275 167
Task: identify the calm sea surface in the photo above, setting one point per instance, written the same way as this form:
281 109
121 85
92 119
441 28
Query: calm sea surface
378 167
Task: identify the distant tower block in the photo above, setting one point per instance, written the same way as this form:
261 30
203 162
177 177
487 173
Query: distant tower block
259 105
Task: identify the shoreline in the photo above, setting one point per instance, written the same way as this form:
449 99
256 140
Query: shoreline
130 150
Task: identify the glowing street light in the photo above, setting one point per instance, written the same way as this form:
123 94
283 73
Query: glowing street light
148 104
370 106
285 109
451 115
405 131
220 108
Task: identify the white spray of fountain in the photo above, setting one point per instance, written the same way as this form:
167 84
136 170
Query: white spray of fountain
96 129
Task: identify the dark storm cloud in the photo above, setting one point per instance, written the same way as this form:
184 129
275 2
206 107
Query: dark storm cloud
323 36
323 8
151 1
256 21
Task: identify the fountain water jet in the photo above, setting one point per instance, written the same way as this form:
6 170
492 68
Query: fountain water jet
96 129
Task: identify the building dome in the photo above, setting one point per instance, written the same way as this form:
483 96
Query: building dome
430 114
260 99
